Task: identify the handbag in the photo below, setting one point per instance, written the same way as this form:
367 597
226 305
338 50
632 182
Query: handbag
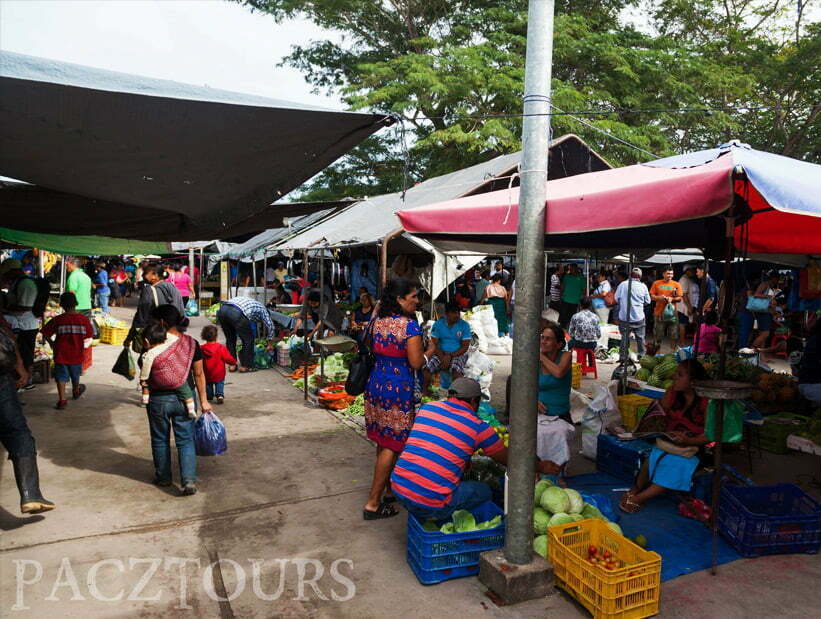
671 448
362 364
754 304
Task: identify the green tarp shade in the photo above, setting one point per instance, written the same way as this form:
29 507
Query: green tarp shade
83 245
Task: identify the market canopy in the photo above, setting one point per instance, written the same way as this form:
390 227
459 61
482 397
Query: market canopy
83 245
120 155
677 202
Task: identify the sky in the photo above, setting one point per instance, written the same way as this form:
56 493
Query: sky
204 42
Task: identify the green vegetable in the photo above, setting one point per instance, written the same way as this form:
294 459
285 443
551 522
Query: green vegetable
540 520
463 521
576 502
490 524
576 517
430 525
540 545
541 486
555 500
560 518
643 374
640 541
591 511
615 527
447 528
647 362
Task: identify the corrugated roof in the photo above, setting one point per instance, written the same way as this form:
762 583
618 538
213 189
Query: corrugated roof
255 244
369 221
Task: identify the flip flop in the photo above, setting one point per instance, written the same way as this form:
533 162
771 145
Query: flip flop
383 511
628 505
80 391
389 499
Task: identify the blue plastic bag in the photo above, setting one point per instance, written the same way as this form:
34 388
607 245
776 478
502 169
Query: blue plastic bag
210 438
603 504
191 308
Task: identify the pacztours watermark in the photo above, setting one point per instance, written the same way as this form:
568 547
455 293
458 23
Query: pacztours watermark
153 579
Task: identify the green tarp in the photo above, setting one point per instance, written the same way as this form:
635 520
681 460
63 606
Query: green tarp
83 245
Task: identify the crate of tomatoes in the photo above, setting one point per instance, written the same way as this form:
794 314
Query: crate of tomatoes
607 573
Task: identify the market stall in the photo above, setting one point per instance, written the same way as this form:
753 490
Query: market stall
727 201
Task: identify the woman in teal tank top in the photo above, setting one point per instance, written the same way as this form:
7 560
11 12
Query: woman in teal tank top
555 373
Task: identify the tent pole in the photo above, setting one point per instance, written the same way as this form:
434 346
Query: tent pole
254 274
199 279
41 267
319 315
698 313
265 277
530 244
63 274
587 275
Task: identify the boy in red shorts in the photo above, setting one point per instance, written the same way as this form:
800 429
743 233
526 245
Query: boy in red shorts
70 332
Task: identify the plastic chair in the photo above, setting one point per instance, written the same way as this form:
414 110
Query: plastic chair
587 358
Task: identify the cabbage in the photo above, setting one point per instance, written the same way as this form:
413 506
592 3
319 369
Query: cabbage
576 502
615 527
463 521
540 545
490 524
591 511
540 488
560 518
576 517
555 500
540 520
447 528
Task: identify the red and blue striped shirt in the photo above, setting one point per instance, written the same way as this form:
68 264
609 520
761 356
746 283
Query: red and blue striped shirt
443 438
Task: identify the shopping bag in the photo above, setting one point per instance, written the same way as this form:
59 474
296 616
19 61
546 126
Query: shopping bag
125 366
191 308
754 304
210 438
669 314
733 421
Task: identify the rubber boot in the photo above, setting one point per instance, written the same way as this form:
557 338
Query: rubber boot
28 483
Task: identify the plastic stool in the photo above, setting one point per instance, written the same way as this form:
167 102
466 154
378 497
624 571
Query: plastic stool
776 338
587 358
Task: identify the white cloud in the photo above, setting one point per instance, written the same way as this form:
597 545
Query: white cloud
205 42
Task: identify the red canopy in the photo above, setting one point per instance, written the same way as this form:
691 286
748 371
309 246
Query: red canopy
638 206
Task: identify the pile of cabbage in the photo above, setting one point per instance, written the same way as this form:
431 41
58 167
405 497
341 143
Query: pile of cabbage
555 506
462 521
336 371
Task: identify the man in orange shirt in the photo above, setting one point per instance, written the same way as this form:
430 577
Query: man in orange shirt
664 292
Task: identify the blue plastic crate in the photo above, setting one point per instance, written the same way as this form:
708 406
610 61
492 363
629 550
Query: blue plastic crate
432 577
434 551
621 459
767 520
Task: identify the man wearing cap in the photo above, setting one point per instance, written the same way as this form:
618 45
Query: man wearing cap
22 293
634 322
427 478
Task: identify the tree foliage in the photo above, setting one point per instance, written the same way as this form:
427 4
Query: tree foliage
455 70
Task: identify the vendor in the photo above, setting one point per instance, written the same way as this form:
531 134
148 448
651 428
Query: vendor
809 368
670 466
324 313
427 477
555 372
362 316
448 349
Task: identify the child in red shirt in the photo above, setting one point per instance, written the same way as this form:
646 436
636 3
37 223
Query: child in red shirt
215 356
70 331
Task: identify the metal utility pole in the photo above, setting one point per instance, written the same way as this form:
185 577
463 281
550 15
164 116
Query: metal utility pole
529 281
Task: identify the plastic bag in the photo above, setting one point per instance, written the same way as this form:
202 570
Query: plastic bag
602 412
210 438
125 366
553 436
603 503
191 308
733 430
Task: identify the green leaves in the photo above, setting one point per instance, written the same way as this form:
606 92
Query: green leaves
455 70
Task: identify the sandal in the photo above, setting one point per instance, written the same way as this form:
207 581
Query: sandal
80 391
628 505
383 511
388 499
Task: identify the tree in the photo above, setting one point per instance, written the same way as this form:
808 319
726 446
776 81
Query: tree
455 71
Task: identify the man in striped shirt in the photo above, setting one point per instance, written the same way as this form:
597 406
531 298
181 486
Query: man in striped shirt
427 476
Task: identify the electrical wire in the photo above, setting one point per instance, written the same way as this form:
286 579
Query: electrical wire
607 133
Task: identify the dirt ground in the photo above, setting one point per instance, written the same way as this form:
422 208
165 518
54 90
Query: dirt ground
281 511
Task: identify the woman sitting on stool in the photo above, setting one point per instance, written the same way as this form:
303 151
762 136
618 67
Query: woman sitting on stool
671 464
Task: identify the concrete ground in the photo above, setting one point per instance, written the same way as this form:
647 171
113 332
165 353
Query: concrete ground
282 503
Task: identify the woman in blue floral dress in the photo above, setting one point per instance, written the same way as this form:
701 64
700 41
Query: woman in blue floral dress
392 395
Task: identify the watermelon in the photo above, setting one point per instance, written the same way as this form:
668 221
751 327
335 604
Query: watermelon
643 374
647 362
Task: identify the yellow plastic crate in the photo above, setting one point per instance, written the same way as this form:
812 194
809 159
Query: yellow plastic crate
577 376
630 592
632 407
113 335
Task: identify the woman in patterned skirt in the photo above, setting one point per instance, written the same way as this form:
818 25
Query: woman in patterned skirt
392 395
